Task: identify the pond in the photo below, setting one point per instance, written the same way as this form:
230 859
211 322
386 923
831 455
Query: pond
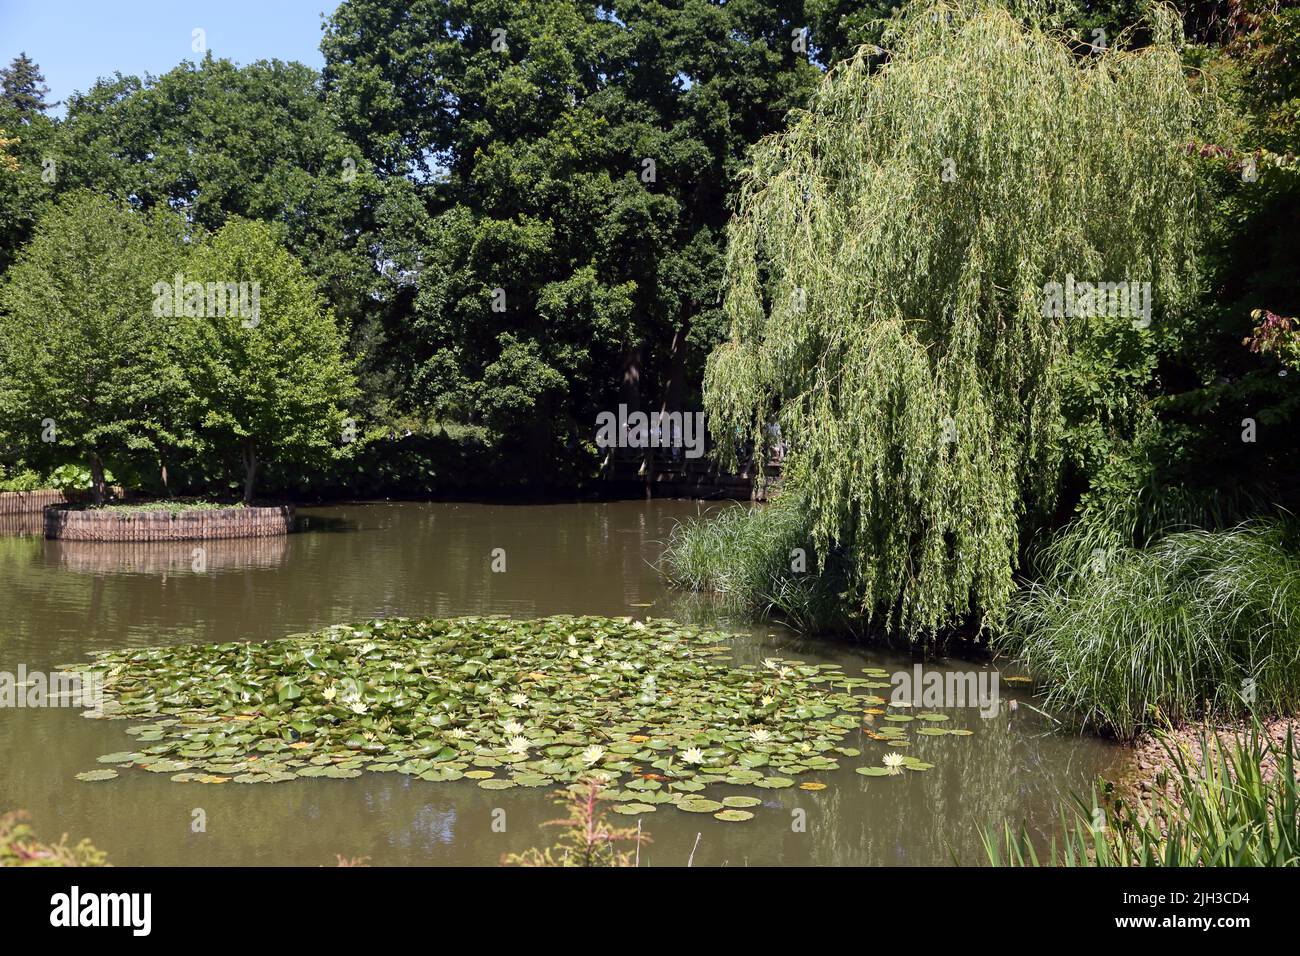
61 601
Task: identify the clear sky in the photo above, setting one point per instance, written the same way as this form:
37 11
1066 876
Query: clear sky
77 41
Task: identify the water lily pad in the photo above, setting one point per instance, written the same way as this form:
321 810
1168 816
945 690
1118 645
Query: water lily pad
733 816
656 707
632 809
739 803
93 775
121 757
698 805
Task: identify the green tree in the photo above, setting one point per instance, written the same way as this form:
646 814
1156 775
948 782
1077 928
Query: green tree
22 85
28 175
213 139
86 368
889 288
1226 362
578 157
266 366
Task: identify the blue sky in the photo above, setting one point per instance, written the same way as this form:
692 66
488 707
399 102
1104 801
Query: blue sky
77 41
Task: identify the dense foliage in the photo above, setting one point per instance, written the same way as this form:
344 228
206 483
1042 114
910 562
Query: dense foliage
132 340
85 371
504 218
575 160
1198 622
887 278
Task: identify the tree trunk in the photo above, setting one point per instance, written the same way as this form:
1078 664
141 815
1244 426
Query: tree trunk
250 472
97 480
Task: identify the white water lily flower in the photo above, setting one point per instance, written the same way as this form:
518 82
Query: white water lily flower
784 672
766 699
458 733
693 755
894 762
519 700
519 745
588 660
771 663
357 707
512 727
593 753
760 736
330 692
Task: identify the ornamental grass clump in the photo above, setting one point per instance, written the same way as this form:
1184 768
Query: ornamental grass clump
886 288
1199 622
757 558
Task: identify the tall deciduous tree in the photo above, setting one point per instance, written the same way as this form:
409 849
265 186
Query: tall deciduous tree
214 139
86 368
577 160
889 287
269 378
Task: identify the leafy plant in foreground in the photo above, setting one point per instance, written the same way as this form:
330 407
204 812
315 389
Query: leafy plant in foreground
20 847
586 838
1220 811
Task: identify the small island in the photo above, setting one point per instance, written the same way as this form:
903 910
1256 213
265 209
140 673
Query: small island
167 521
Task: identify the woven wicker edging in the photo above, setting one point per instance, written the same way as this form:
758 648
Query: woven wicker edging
71 524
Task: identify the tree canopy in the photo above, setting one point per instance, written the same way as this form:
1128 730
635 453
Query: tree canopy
576 161
86 371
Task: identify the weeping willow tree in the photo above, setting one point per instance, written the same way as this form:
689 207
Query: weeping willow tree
888 284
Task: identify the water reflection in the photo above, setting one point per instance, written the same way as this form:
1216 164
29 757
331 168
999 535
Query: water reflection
29 524
168 557
355 562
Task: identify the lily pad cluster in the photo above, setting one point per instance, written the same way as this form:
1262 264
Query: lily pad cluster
656 709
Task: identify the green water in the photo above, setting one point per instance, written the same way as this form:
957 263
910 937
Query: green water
60 601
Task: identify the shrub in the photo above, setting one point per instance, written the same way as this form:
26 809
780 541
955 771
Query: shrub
750 555
19 847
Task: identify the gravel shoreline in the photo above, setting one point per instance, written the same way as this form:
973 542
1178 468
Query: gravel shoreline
1151 758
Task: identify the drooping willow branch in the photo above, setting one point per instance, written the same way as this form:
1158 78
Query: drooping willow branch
886 276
